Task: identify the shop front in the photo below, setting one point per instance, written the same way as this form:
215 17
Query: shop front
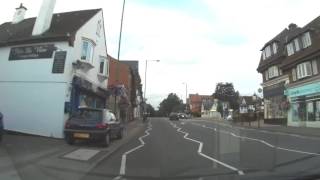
86 94
274 111
304 105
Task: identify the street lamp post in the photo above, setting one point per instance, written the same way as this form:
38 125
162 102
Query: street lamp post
145 84
186 96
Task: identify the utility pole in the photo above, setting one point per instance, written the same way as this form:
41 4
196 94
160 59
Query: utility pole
118 57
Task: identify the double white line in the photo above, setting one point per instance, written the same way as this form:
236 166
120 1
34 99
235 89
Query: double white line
204 155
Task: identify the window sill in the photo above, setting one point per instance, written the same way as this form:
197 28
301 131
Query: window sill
81 64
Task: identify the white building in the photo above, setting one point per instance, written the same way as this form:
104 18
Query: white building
209 108
49 66
246 104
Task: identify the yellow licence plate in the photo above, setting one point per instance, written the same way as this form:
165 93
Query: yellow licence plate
81 135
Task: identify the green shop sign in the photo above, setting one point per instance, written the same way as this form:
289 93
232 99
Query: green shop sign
303 90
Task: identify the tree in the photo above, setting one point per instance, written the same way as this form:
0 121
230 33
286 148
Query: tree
150 110
226 92
220 108
171 104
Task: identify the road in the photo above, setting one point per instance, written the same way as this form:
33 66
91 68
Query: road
198 149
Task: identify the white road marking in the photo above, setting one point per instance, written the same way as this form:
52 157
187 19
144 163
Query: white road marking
124 156
264 142
82 154
118 178
259 130
204 155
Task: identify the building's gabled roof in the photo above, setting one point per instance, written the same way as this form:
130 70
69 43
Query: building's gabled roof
207 104
275 59
196 98
308 53
248 100
63 27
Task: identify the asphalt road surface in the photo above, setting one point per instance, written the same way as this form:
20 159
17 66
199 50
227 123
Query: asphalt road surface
199 150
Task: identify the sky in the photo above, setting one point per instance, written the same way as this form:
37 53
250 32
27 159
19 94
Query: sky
198 42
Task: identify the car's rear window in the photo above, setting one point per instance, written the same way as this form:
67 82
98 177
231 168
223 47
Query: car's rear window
89 115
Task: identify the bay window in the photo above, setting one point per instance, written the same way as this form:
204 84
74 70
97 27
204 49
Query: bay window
290 50
87 50
304 70
296 44
314 67
268 51
102 65
275 48
266 75
263 54
306 40
273 71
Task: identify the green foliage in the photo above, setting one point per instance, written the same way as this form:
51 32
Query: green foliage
196 114
226 92
220 108
171 104
150 110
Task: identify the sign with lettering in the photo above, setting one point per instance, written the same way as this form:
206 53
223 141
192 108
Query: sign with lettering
59 61
303 90
31 52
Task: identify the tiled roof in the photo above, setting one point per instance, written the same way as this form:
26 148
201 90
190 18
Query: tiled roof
309 52
287 35
277 58
63 27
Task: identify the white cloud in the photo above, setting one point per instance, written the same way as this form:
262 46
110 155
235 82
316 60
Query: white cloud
219 42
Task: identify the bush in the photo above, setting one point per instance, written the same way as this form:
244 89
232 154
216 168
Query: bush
196 114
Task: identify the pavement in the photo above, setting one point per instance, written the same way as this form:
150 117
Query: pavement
194 149
24 157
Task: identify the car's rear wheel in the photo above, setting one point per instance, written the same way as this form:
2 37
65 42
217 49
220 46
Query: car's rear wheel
106 140
69 139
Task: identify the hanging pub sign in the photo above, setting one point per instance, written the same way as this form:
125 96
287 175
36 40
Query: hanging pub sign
31 52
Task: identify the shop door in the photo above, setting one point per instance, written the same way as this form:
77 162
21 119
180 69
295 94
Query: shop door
302 114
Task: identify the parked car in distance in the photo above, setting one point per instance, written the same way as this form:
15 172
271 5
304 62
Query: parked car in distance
93 124
174 116
1 126
183 116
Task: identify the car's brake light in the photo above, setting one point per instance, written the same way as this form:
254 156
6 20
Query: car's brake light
101 126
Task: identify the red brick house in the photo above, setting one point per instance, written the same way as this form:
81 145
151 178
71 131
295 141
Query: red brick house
119 84
126 89
195 103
